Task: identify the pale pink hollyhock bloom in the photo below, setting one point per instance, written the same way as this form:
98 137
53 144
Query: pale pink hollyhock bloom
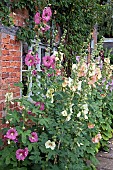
92 80
29 60
47 61
21 154
11 134
46 14
82 70
37 18
97 138
58 72
34 137
91 126
42 107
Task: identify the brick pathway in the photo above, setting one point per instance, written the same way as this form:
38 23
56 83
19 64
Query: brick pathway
106 158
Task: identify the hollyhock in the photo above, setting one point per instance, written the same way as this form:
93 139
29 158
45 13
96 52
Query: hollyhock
29 112
58 72
68 118
42 107
46 14
37 59
50 145
34 72
34 137
11 134
92 80
77 58
29 60
91 126
46 28
53 63
47 61
64 113
37 18
97 138
21 154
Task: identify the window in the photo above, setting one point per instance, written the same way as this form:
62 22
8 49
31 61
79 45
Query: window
24 78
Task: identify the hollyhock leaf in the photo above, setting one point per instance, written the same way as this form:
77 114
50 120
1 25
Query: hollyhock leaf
24 138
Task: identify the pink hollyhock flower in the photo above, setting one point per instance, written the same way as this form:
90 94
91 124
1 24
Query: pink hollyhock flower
34 72
34 137
50 75
37 18
11 134
53 63
42 107
29 60
47 61
21 154
46 14
37 59
29 112
46 28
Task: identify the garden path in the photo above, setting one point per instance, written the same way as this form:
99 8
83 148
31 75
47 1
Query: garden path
106 158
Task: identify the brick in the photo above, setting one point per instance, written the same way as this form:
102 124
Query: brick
12 63
5 52
5 40
5 64
17 58
16 47
7 58
13 74
1 106
17 74
12 41
8 46
5 75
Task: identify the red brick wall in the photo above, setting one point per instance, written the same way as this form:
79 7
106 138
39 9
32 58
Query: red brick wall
10 66
10 58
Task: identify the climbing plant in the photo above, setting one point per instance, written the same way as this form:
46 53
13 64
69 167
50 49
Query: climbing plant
77 17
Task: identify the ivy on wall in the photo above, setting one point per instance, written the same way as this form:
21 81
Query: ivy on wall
77 17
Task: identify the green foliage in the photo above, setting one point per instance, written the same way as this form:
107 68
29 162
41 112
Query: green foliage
74 117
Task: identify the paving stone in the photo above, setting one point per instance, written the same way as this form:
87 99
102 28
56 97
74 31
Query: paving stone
106 158
105 164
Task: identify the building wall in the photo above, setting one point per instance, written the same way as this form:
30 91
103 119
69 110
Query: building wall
10 59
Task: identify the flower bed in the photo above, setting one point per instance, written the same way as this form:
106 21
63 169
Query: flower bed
66 120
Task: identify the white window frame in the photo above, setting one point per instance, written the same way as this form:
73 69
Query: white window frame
39 51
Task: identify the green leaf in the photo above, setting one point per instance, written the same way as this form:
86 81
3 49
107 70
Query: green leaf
20 84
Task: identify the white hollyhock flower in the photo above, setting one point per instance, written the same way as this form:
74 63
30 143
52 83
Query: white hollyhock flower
64 113
50 145
9 97
68 118
79 85
79 114
74 67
